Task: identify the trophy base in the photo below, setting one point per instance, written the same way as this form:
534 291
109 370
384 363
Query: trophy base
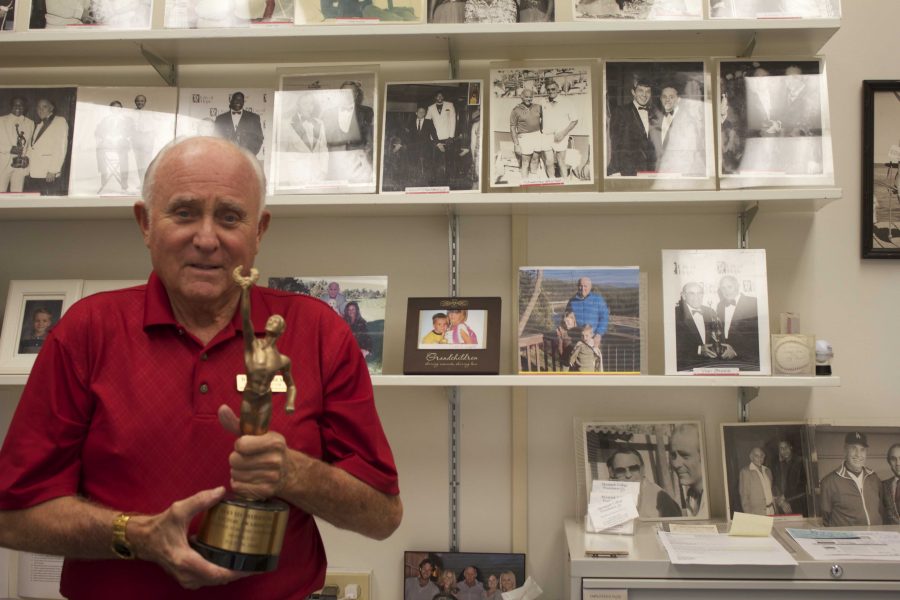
243 535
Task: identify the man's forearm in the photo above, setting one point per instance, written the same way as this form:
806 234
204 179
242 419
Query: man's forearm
341 499
68 526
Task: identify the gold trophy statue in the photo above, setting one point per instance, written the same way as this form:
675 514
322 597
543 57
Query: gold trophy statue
245 534
19 161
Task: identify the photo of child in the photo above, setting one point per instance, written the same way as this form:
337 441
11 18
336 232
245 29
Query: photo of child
439 323
455 328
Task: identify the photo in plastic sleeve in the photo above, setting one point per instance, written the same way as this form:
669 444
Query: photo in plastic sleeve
774 126
767 469
442 329
590 10
579 320
335 111
774 9
36 130
461 574
336 12
491 11
359 300
542 126
7 15
716 311
432 137
668 460
881 177
857 474
118 132
203 14
658 117
90 14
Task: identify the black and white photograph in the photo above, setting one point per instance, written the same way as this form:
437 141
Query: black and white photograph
667 459
858 475
346 104
658 118
580 320
461 575
203 14
90 14
767 469
7 15
774 126
452 328
336 12
591 10
115 140
774 9
432 137
491 11
359 300
36 129
716 312
542 126
880 169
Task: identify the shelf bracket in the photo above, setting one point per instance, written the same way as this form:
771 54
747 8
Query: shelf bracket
745 396
745 219
165 69
452 58
749 48
453 471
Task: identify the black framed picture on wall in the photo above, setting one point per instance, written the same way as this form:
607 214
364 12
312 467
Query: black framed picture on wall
881 169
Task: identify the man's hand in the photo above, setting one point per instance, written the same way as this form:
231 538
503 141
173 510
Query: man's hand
558 137
728 353
162 538
51 177
441 147
259 464
708 352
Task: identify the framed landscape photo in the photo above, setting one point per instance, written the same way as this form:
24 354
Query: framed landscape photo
768 469
452 336
668 459
881 169
461 574
33 307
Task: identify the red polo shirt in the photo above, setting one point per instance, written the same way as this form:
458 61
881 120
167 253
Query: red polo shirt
121 408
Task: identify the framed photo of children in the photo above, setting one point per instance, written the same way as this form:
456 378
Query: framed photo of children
32 310
450 336
881 169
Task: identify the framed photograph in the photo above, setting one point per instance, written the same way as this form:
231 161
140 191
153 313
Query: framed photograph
360 300
461 574
338 12
432 137
658 117
869 454
592 10
793 354
774 9
94 286
335 111
38 125
667 459
203 14
7 16
115 140
767 469
33 307
580 320
496 11
881 169
542 130
716 312
452 336
774 126
90 14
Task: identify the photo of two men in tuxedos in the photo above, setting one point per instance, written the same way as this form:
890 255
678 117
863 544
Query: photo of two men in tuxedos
658 120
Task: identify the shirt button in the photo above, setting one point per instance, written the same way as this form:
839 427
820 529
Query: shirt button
180 331
204 388
204 356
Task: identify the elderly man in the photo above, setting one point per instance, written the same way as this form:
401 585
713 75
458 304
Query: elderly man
589 308
687 462
627 464
15 136
117 424
755 485
737 313
680 142
694 325
334 298
470 588
852 493
525 123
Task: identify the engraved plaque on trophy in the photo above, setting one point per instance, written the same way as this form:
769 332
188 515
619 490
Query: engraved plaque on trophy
245 534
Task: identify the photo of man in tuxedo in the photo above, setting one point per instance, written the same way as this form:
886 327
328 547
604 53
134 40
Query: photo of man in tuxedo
48 151
16 131
694 329
349 129
631 147
421 138
737 313
240 126
680 138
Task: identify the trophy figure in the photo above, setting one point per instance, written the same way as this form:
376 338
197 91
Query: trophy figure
20 161
715 336
245 534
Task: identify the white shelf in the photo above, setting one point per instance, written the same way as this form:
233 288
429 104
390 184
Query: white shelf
419 42
569 380
21 207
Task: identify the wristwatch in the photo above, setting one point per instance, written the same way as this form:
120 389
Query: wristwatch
120 543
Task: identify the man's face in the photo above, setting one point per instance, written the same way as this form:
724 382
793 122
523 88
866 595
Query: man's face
420 113
237 101
469 576
728 288
855 456
552 91
439 98
203 221
425 571
785 451
584 286
669 99
685 457
757 457
44 109
626 467
641 94
140 102
306 106
527 97
333 289
693 295
17 107
893 459
440 326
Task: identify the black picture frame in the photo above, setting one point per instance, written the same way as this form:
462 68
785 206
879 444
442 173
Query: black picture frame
486 564
447 358
880 179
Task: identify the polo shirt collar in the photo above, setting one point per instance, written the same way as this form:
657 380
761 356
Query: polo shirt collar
845 472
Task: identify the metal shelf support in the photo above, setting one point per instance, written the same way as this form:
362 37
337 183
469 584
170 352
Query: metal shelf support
749 48
453 392
745 219
745 396
164 68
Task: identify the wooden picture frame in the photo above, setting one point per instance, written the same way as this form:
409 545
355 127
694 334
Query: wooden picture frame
881 169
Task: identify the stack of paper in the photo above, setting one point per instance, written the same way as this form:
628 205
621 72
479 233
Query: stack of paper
612 507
